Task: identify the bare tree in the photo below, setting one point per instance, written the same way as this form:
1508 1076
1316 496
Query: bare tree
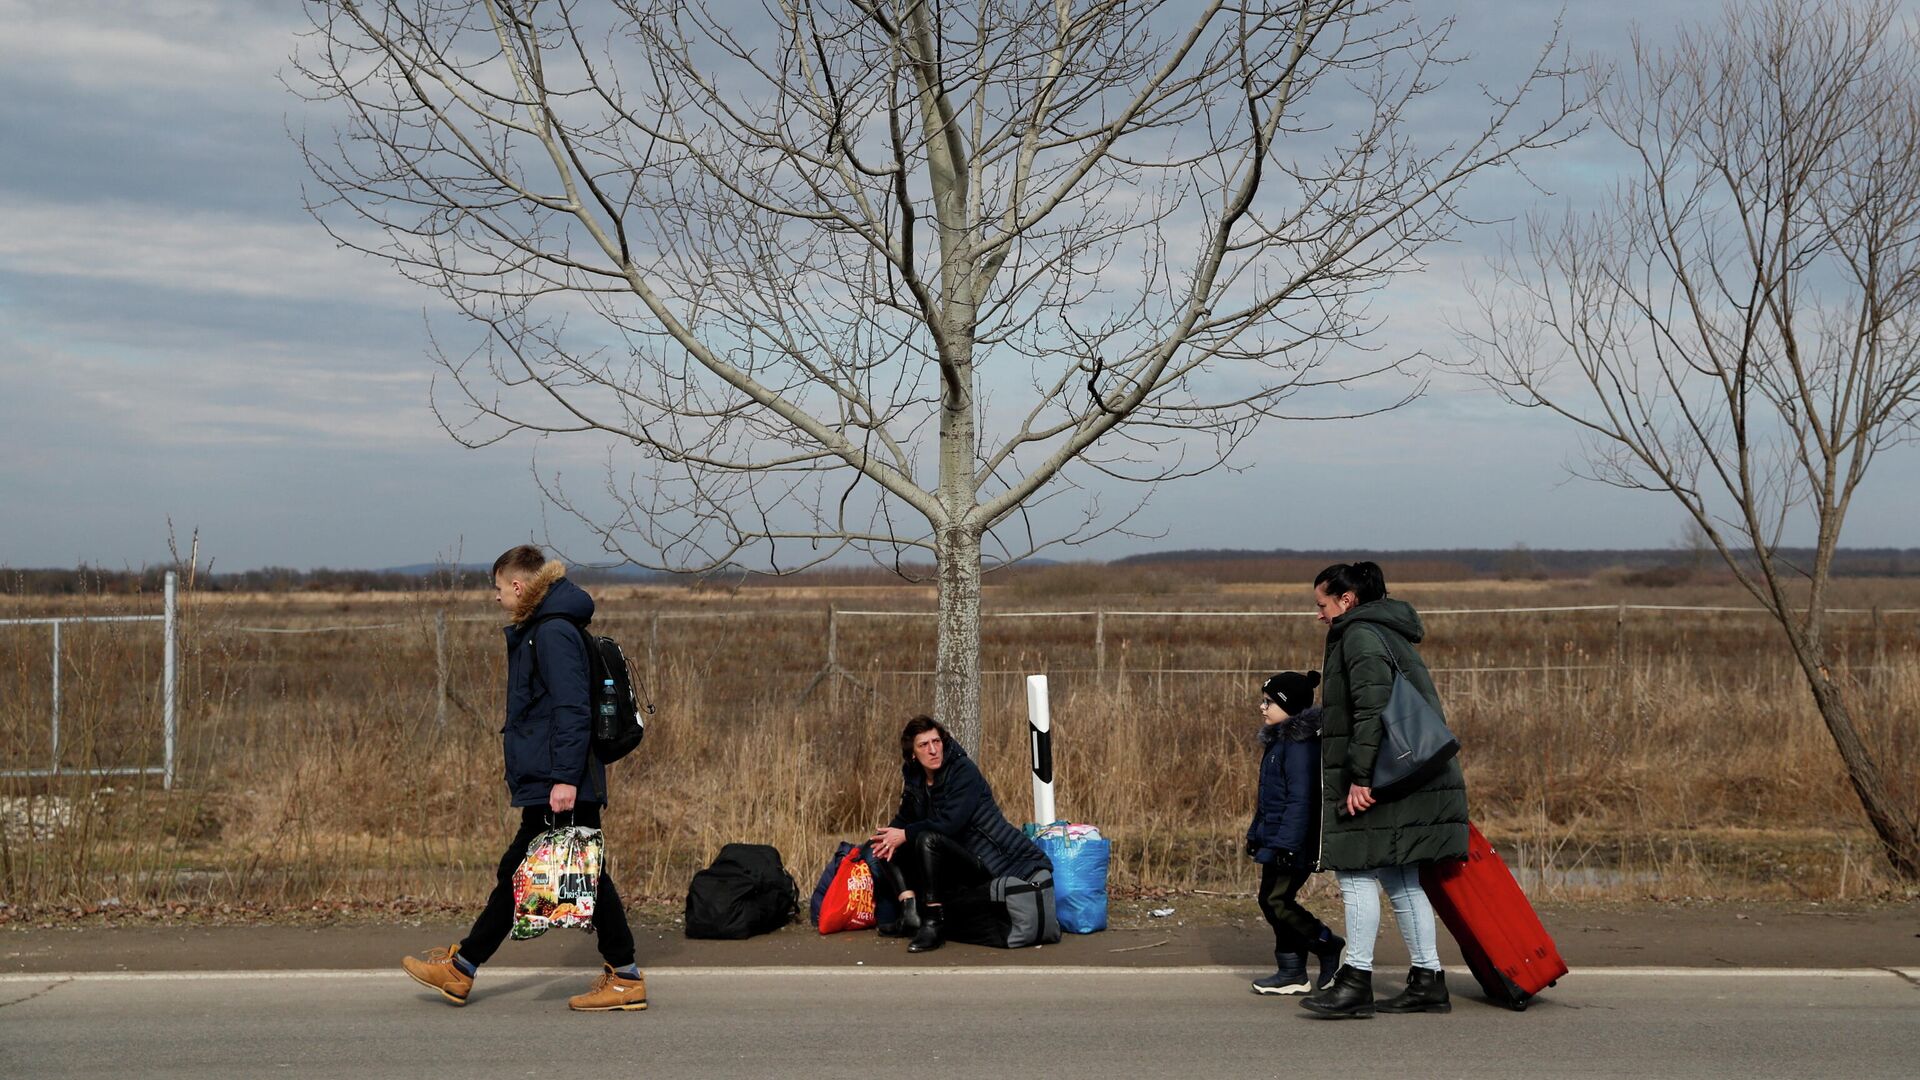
888 274
1740 327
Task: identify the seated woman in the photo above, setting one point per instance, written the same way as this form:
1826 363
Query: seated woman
948 834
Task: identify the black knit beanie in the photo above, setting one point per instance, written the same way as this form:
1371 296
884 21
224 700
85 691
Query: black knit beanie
1291 690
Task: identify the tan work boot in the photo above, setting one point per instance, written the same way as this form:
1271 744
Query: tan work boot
438 972
612 993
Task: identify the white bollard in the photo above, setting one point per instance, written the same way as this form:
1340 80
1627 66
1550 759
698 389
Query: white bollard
170 680
1040 742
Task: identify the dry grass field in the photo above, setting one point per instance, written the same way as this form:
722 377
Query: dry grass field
1610 754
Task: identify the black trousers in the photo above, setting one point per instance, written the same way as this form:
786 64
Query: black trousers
610 927
933 865
1295 929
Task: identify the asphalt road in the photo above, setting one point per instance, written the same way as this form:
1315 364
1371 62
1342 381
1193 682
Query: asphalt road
1027 1022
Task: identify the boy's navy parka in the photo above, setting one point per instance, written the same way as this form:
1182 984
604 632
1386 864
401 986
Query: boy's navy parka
549 702
960 806
1286 816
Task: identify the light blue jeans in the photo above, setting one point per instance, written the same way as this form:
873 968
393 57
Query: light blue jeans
1360 892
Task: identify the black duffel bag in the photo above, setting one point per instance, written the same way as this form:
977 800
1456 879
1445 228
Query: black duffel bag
746 891
1009 912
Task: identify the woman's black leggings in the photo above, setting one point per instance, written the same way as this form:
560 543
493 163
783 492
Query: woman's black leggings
933 865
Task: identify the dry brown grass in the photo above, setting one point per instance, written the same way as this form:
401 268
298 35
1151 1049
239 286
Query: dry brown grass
312 766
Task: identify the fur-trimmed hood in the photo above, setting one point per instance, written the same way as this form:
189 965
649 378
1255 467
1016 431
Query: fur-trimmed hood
537 589
1294 728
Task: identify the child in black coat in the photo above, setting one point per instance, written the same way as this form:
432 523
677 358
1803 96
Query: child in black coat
1285 835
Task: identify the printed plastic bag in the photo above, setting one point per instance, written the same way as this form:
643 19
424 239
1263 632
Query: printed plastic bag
1080 859
848 904
886 908
556 881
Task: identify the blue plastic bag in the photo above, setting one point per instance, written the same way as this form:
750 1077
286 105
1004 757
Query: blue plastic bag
1079 881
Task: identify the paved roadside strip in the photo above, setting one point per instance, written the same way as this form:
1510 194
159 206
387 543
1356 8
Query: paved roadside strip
498 971
1646 937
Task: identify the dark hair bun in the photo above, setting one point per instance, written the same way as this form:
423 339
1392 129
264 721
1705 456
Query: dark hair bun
1363 579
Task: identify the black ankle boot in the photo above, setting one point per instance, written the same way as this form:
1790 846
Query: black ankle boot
907 923
1326 949
1426 992
1349 995
928 938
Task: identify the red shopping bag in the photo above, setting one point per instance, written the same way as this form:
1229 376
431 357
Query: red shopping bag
848 904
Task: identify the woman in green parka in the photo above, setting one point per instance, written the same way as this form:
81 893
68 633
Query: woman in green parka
1372 843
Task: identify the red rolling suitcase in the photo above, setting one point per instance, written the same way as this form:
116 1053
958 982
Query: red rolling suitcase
1504 944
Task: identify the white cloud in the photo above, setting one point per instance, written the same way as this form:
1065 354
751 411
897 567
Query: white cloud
146 44
201 251
269 396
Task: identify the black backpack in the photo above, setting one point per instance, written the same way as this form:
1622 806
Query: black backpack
746 891
618 723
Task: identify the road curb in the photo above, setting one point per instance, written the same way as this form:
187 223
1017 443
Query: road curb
857 971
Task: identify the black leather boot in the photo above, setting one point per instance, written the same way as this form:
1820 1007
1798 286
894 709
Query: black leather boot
908 922
929 937
1426 992
1326 949
1348 996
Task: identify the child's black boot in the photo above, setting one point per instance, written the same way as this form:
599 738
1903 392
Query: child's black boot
1326 949
1291 978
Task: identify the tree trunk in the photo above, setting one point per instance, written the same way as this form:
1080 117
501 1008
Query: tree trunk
956 681
1899 834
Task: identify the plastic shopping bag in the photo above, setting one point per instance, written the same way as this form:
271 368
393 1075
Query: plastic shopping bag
556 881
848 903
1080 857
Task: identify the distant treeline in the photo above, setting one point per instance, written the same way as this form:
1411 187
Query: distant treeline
1513 562
86 580
1654 565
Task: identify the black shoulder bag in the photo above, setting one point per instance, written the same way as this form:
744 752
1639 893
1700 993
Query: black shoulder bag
1415 741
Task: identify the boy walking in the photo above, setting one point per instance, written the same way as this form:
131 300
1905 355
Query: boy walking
550 775
1285 834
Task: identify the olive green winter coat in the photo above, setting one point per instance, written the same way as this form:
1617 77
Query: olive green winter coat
1427 823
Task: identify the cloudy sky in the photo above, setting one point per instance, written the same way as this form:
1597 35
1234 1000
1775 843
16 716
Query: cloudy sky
179 340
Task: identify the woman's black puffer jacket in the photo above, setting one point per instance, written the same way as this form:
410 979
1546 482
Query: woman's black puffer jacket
959 805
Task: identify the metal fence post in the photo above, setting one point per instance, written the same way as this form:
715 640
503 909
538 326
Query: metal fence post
1099 648
1879 648
833 657
440 666
1620 639
56 698
170 685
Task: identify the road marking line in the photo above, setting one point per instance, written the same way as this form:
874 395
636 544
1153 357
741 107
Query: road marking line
853 971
